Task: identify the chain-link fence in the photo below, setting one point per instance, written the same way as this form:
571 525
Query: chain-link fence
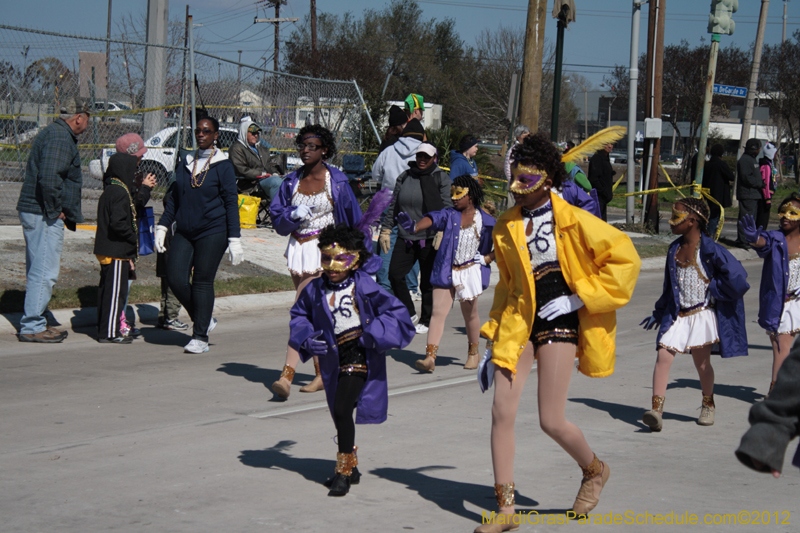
146 89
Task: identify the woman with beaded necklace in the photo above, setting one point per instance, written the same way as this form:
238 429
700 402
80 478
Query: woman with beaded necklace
563 274
701 306
204 208
310 199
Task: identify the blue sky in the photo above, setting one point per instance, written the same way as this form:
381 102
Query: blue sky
600 36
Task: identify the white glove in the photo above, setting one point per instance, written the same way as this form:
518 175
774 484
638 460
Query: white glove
235 251
480 259
161 234
486 371
560 306
648 322
301 212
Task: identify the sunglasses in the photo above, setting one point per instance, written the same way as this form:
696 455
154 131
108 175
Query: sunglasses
311 147
198 131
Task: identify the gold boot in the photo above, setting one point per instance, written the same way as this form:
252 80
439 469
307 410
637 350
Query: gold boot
771 385
472 356
345 463
707 411
502 521
316 383
284 383
653 418
429 363
589 494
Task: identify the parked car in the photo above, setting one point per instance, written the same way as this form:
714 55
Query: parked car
161 152
618 158
122 118
671 160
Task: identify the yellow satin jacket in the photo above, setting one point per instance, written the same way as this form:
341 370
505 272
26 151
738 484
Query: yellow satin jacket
600 265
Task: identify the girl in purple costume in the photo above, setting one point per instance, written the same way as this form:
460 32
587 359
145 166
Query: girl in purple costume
349 322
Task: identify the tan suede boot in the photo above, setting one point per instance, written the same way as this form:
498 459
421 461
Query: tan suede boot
589 493
653 418
316 383
284 383
472 356
502 521
429 363
707 411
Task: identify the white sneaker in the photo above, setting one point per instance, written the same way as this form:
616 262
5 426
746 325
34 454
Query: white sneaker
415 319
196 346
416 296
211 325
421 328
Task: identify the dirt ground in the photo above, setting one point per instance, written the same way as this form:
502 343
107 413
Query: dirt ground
79 267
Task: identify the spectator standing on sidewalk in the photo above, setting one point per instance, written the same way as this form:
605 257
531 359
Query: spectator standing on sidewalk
718 177
601 176
397 122
50 199
170 306
415 107
461 161
748 186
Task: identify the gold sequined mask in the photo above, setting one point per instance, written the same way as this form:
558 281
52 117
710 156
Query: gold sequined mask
525 180
457 193
338 259
790 212
678 217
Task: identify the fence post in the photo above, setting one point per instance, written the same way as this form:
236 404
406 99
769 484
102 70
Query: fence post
193 116
364 105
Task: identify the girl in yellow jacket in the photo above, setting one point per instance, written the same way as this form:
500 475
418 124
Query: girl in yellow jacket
563 274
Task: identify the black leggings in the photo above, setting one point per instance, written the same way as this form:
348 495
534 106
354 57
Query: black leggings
348 390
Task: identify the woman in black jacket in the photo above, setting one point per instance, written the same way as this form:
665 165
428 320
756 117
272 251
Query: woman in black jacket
204 207
116 246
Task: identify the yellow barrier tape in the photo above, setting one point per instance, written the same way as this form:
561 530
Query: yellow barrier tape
614 188
667 176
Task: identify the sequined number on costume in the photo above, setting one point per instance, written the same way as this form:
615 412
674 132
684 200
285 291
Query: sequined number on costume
540 239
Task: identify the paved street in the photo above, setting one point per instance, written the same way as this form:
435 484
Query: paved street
145 437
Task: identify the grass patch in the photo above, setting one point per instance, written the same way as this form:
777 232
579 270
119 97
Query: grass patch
651 250
12 301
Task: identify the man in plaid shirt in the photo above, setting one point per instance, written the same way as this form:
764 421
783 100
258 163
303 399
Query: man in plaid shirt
49 200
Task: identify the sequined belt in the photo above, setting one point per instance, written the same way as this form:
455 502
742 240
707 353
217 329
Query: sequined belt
464 266
353 369
693 310
349 335
301 238
790 297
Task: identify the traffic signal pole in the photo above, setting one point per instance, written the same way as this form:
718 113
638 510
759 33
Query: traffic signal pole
712 69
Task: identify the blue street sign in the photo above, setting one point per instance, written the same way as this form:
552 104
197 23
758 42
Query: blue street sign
730 90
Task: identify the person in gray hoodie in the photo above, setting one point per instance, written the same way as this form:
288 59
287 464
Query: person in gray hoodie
252 162
392 162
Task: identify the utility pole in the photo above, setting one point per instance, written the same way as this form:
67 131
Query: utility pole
108 48
276 21
313 16
752 87
633 88
655 61
561 11
532 64
783 36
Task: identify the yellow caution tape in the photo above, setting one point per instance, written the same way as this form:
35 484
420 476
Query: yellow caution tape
614 188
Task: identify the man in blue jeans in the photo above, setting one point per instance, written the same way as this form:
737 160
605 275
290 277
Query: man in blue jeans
50 199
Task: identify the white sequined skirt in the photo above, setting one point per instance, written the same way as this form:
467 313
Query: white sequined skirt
468 283
790 320
303 258
694 331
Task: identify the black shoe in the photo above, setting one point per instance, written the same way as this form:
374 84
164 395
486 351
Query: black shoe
116 340
355 477
340 485
134 333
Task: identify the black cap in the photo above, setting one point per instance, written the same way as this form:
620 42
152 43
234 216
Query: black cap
467 142
752 144
414 129
397 117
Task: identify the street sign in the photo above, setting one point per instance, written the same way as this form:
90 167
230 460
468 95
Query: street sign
730 90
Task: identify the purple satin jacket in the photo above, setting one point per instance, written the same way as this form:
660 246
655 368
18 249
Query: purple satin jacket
728 285
774 279
575 195
448 221
345 209
382 316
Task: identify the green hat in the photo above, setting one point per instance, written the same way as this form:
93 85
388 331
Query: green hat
414 102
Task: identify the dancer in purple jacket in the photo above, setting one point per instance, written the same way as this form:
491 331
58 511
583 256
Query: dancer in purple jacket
461 268
779 297
349 322
701 306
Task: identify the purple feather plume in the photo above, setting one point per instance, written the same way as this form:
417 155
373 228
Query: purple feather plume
377 206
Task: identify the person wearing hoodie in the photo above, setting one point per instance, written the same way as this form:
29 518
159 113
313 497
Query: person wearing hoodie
461 161
204 206
116 246
252 162
392 162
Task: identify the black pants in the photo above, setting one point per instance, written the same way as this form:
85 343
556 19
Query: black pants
746 207
762 218
348 390
111 297
191 269
603 209
403 259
